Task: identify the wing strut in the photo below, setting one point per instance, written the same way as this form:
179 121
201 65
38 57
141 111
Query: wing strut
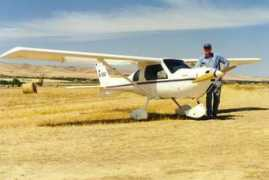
115 71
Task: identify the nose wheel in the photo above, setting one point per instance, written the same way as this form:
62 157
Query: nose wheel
197 112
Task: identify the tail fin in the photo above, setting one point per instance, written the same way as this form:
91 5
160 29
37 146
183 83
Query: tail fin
102 74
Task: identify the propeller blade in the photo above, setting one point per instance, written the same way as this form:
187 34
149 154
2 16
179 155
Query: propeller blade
225 70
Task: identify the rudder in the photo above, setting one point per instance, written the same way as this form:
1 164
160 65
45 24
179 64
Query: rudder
102 74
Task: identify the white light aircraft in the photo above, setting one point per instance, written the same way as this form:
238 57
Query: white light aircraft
156 78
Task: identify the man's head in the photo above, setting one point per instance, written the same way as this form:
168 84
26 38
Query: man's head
208 51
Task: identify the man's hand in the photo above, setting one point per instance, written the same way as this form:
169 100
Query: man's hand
218 83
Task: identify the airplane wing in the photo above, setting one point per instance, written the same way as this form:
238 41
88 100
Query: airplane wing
233 61
62 56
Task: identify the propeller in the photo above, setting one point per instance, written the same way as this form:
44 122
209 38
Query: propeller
228 69
212 75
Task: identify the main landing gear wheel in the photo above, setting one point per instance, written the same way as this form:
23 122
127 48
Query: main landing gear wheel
140 114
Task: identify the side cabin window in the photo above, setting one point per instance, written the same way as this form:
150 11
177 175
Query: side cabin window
174 65
136 76
155 72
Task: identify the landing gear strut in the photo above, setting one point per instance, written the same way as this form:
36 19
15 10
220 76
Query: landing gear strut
178 105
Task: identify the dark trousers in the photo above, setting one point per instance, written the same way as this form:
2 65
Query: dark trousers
213 100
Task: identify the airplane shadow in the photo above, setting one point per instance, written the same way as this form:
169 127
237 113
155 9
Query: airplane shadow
242 109
152 117
97 122
224 115
156 116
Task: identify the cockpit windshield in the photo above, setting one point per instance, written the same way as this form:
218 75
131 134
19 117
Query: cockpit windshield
174 65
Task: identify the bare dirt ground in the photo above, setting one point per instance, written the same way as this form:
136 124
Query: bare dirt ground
76 134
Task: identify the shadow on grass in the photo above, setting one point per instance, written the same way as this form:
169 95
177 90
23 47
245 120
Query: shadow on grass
152 117
96 122
156 117
242 109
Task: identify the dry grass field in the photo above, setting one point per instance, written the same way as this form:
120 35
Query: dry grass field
77 134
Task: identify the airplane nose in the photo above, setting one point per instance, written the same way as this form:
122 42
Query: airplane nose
208 75
219 74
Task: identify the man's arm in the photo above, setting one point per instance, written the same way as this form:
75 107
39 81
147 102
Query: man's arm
199 63
224 61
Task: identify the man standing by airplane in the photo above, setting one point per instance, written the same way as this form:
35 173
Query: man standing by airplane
212 60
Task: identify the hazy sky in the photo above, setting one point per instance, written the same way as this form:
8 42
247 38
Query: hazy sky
158 28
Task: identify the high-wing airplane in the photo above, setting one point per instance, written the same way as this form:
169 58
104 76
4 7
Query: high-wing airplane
155 78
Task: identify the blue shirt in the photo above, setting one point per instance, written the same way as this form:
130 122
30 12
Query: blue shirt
215 62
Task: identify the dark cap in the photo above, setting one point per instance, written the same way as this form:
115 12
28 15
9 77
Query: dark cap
207 46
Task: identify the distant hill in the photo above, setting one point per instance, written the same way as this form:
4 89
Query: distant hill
26 70
241 78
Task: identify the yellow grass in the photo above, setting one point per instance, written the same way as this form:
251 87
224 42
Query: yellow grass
78 134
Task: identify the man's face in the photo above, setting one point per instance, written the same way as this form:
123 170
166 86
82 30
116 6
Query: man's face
207 52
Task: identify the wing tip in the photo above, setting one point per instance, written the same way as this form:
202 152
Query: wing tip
11 51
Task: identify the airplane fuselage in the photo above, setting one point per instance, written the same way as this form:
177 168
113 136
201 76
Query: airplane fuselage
177 85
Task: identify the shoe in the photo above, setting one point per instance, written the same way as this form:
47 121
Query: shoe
210 117
214 116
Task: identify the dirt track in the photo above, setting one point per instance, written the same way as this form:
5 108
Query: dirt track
41 143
